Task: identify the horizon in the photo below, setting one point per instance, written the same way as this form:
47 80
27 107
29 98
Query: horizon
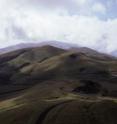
56 44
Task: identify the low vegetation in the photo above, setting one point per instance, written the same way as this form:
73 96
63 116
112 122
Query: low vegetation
48 85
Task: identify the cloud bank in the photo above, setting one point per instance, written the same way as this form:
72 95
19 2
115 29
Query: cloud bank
84 22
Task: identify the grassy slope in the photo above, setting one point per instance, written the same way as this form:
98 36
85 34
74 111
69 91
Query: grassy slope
81 67
52 100
57 107
11 79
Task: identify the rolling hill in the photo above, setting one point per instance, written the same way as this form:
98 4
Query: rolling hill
50 85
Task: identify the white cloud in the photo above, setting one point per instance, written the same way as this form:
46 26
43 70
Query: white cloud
80 2
99 8
25 24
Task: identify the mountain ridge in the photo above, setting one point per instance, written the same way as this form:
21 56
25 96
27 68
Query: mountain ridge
58 44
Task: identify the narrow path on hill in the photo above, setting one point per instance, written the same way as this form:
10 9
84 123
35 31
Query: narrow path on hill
46 111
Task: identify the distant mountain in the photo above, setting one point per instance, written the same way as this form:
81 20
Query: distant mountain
114 53
16 47
29 45
59 44
91 52
32 64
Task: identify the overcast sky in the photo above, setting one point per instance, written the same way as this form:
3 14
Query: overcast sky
90 23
